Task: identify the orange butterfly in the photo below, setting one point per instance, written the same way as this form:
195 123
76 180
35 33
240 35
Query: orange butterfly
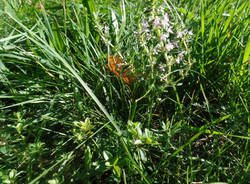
126 74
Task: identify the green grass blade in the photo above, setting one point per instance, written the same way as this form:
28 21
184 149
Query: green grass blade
247 52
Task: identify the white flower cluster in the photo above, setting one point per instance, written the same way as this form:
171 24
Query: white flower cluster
162 37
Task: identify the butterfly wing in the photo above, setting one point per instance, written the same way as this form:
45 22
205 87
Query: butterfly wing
116 63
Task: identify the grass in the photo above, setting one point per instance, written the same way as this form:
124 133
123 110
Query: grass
65 118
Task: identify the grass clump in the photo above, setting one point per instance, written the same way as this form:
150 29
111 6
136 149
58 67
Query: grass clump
66 118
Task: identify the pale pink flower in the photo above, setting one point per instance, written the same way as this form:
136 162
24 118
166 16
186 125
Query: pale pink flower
146 30
180 34
157 22
155 50
145 23
149 36
164 37
170 30
162 69
165 21
169 46
178 60
182 54
175 43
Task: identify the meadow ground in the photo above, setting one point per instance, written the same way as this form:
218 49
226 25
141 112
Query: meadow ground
128 91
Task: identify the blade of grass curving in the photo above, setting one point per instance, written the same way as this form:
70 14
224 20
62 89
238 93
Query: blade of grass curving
206 101
6 39
176 12
92 7
207 131
52 52
123 23
115 24
230 18
201 131
202 60
36 100
247 52
202 20
44 173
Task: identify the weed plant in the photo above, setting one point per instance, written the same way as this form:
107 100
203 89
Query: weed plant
65 118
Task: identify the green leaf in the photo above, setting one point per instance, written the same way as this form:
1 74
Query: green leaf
92 6
117 170
123 23
182 10
202 19
247 52
115 24
12 174
143 155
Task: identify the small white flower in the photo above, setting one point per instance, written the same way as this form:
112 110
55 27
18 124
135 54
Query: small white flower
170 30
166 17
165 21
180 34
157 22
185 31
190 33
162 69
169 57
146 30
175 43
155 50
148 36
178 60
145 23
169 46
106 29
151 18
163 37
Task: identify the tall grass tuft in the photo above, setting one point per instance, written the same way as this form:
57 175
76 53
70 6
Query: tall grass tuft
65 117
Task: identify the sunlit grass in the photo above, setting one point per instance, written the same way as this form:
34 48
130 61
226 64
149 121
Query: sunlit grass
65 117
